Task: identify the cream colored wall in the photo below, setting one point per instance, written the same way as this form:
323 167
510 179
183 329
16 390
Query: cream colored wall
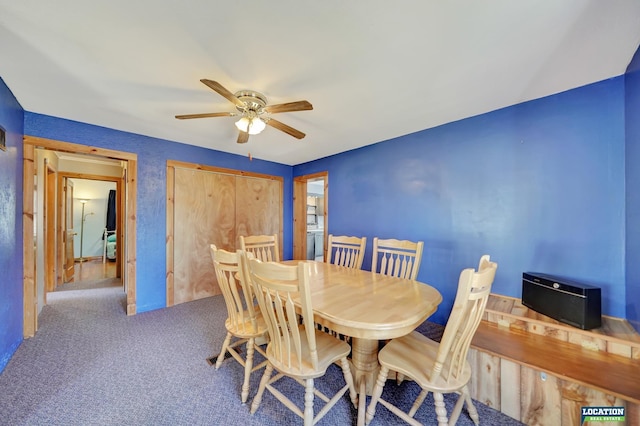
96 193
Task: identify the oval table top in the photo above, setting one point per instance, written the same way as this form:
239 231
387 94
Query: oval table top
367 305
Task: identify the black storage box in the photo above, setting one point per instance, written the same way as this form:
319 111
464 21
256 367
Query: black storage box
569 302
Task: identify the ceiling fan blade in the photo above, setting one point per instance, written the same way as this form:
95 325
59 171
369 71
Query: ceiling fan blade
205 115
223 92
289 106
243 137
287 129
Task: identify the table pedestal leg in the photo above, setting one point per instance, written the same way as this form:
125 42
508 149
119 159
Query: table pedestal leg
364 358
362 402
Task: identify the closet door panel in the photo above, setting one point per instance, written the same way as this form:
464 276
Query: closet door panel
258 207
204 214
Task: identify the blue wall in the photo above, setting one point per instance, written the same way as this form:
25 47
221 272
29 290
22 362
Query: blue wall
632 156
11 306
151 215
539 186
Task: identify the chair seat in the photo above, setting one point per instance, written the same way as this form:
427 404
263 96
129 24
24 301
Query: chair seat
414 356
330 350
246 330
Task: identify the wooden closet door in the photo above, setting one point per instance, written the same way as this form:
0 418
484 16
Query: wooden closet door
205 213
209 205
258 207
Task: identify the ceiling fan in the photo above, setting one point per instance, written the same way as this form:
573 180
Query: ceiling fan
253 110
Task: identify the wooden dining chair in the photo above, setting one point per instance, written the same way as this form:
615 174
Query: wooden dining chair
263 247
244 322
397 258
439 367
346 251
296 349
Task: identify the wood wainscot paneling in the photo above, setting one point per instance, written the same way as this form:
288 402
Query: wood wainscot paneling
535 397
486 369
541 402
542 372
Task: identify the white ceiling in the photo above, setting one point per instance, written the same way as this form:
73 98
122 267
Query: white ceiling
372 69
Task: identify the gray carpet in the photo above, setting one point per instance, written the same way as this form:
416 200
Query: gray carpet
90 284
90 364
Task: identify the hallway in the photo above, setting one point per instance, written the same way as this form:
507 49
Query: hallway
92 274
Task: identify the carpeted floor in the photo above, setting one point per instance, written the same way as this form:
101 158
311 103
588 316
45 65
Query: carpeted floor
90 284
90 364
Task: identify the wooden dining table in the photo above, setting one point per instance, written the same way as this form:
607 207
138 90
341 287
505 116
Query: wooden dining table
367 307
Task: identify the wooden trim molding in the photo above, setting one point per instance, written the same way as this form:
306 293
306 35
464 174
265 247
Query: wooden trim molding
30 323
171 171
131 214
78 149
214 169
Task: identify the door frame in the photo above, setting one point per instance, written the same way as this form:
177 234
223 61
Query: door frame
120 225
130 160
49 228
300 213
65 239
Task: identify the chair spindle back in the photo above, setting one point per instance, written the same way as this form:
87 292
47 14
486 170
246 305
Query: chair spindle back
346 251
263 247
397 258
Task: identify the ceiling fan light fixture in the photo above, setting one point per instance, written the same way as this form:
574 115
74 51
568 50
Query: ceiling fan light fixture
251 105
253 126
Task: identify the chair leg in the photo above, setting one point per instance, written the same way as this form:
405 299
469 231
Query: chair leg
441 411
308 402
457 409
377 393
418 402
225 346
248 366
263 385
348 378
473 413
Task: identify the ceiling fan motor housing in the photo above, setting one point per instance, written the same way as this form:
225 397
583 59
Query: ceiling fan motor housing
253 101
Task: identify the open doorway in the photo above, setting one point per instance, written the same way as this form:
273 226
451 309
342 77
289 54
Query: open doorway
79 223
34 233
91 219
315 220
310 216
